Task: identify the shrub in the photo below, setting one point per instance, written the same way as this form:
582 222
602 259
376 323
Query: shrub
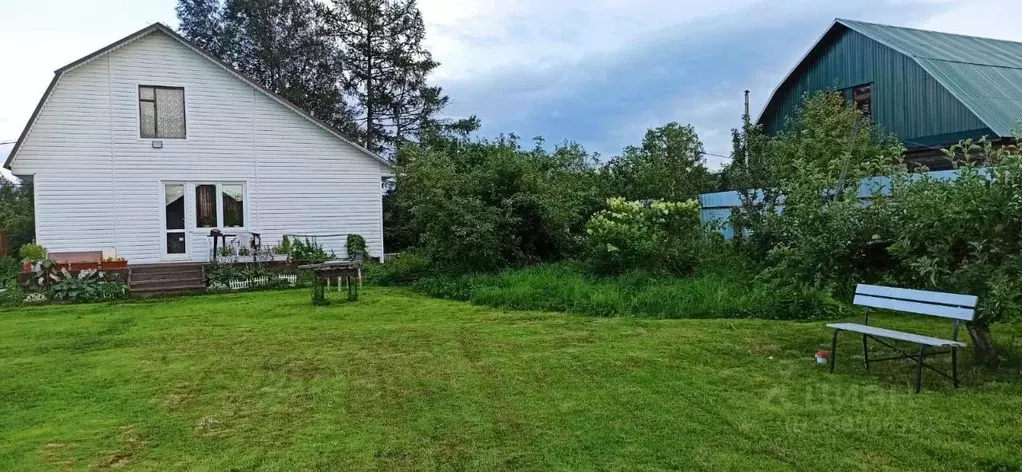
308 251
403 269
662 237
33 252
9 270
355 245
220 274
11 295
962 235
486 205
87 286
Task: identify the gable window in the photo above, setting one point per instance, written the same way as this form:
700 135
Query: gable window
220 205
161 112
862 98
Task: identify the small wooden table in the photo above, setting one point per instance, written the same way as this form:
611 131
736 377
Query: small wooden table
326 271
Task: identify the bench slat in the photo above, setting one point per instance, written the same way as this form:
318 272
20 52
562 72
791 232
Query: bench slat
944 311
899 335
917 295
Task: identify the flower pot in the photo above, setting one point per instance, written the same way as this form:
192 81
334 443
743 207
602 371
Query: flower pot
26 267
80 266
113 265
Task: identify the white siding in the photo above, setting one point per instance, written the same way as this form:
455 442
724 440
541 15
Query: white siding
98 183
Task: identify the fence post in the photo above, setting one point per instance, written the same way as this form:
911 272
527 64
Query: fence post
5 240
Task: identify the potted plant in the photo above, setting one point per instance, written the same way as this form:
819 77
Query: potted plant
32 255
113 263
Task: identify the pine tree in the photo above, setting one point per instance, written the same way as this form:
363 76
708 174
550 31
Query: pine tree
385 71
285 45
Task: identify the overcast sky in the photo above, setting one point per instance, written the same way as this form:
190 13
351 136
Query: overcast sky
599 72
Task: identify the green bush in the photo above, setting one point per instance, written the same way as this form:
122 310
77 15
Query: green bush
220 274
11 295
86 286
962 235
402 269
483 206
9 270
308 251
32 252
355 245
661 237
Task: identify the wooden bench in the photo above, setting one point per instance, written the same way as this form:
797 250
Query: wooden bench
945 305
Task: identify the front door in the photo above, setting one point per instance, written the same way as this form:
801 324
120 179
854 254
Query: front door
174 237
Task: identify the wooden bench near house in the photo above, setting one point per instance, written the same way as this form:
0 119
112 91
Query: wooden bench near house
944 305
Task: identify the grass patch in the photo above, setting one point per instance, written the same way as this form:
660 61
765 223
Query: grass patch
398 381
713 292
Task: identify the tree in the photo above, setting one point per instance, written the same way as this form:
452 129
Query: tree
485 205
753 175
825 237
961 234
385 70
668 166
285 45
17 213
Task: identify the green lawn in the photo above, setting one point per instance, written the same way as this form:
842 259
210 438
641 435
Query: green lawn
396 381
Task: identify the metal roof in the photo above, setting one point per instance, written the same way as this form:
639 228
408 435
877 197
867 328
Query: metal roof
984 74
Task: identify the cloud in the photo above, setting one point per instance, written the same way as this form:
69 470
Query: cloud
602 72
5 149
599 72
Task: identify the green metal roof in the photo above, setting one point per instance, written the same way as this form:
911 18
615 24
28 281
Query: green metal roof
984 74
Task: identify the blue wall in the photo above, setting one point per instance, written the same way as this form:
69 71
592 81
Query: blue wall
716 207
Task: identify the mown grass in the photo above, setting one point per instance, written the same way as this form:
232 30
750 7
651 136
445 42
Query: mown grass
712 292
398 381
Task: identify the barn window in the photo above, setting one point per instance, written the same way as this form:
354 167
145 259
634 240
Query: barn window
161 112
862 98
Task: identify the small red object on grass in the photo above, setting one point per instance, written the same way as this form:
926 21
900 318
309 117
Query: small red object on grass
822 355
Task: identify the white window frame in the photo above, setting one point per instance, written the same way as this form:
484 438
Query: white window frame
220 205
164 255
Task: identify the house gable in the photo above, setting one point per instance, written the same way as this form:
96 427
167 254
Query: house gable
158 28
907 100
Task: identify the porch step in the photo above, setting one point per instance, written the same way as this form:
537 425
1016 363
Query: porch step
183 274
170 267
166 279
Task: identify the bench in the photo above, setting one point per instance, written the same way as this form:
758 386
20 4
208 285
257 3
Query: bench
944 305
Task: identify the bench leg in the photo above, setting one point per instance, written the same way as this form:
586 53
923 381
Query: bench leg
954 366
865 351
833 351
919 367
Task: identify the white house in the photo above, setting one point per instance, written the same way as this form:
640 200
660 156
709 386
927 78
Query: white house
149 143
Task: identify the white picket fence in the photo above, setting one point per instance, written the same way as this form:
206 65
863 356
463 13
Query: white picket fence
243 284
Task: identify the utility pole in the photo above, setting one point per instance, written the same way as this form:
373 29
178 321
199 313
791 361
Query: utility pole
747 121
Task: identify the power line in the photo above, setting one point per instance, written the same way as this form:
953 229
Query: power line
7 142
715 155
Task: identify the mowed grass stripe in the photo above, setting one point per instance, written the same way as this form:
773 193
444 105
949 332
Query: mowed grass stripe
398 381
